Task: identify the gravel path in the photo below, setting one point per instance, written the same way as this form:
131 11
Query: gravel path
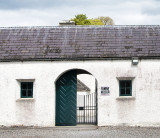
86 132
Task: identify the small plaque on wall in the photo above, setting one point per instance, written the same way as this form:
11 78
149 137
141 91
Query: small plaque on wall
105 91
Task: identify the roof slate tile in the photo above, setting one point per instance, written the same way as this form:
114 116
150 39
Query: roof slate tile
80 42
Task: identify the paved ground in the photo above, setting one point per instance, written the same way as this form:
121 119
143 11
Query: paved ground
80 132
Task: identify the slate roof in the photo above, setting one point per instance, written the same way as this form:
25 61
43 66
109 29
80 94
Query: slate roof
79 42
81 87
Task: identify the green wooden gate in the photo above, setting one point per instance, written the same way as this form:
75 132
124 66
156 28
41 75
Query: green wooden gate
66 94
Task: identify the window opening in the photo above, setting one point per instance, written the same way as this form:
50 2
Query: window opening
26 89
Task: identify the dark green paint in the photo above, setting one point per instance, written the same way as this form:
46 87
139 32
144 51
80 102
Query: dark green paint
66 99
26 89
125 87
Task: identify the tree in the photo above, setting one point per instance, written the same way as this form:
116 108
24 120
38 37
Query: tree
81 19
106 20
96 22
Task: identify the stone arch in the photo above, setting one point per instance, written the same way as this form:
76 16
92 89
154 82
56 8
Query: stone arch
78 69
66 90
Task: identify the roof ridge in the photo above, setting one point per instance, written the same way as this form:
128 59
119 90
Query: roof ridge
78 26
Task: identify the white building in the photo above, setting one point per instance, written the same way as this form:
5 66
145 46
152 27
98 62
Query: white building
39 68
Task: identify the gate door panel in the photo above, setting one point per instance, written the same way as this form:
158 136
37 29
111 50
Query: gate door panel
66 94
87 109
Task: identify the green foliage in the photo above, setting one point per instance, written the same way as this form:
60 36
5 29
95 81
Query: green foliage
81 19
106 20
96 22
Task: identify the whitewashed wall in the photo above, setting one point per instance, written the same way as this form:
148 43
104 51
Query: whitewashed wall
142 109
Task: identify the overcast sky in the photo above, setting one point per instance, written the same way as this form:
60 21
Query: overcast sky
50 12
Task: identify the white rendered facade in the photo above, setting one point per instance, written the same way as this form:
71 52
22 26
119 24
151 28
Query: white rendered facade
140 109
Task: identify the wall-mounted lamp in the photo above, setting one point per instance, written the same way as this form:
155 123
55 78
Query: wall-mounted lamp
135 60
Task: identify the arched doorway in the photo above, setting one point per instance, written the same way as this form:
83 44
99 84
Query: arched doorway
75 104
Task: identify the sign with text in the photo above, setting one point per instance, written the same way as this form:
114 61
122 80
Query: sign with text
105 91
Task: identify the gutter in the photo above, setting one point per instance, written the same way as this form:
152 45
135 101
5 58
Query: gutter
75 59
